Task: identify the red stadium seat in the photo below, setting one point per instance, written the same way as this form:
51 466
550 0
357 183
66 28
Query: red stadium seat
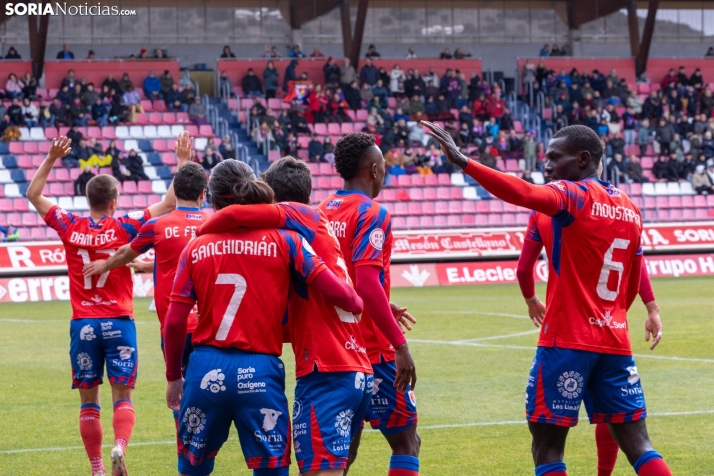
401 209
522 218
142 120
650 203
38 234
323 183
456 193
444 180
430 194
206 130
313 168
700 201
130 188
24 162
454 221
509 219
662 215
403 195
95 132
13 219
144 187
51 133
710 201
182 118
481 220
169 158
389 195
139 201
301 154
6 205
482 206
62 175
416 194
442 193
700 214
69 188
56 190
108 133
416 180
319 196
16 148
30 147
168 118
468 220
427 208
675 201
29 219
426 222
687 214
469 206
125 201
20 205
403 181
414 208
442 208
347 128
334 129
455 208
494 219
321 129
431 180
156 118
399 223
661 202
326 169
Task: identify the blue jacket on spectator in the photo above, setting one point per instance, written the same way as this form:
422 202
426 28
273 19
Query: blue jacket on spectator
151 86
369 74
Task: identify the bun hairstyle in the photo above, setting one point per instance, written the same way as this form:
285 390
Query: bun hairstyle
234 183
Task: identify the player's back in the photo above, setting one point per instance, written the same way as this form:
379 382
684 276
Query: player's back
168 234
595 241
320 333
108 294
241 280
363 228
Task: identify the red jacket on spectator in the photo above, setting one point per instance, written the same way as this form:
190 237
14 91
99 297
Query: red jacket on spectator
494 106
480 108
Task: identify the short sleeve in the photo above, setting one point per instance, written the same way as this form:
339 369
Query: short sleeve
144 240
304 262
59 220
183 290
299 218
133 221
532 232
373 227
571 200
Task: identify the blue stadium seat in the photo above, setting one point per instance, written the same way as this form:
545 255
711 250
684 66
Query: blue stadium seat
470 180
18 176
164 172
9 162
154 159
145 145
483 193
23 189
4 148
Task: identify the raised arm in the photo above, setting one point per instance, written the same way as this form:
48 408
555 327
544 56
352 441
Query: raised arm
59 148
235 216
184 144
506 187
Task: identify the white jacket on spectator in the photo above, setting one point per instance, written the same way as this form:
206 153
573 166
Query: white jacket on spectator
396 81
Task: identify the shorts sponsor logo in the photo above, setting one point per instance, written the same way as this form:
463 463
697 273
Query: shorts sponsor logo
634 380
246 384
296 445
299 429
606 321
125 352
84 361
195 420
108 331
87 333
271 436
375 387
412 397
343 422
359 381
213 381
352 344
634 376
378 401
570 384
376 238
297 409
270 418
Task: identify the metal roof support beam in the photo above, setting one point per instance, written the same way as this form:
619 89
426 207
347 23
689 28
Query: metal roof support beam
38 42
633 27
359 31
643 54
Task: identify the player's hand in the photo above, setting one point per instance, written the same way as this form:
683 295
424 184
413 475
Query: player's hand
653 324
448 146
536 310
183 148
142 266
406 370
174 392
404 319
60 147
94 268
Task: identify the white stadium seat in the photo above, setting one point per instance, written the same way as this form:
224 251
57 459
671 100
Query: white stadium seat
164 132
25 134
12 190
648 189
673 188
136 132
457 180
176 130
5 176
660 188
80 203
686 188
66 203
150 132
200 143
538 178
158 186
130 144
37 133
122 132
150 172
470 193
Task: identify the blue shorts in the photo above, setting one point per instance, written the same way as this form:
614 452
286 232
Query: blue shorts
329 408
560 379
390 412
225 386
94 341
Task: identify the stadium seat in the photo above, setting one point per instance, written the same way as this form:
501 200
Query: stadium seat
38 234
455 208
164 131
428 208
468 220
326 169
136 132
139 201
323 183
470 193
416 180
155 119
37 134
457 180
431 180
29 219
508 219
426 222
442 193
51 133
29 147
522 218
686 188
660 188
414 208
661 202
205 130
453 221
109 133
399 223
403 181
441 208
158 186
13 219
200 143
389 194
440 221
416 194
150 132
483 206
401 209
6 205
495 219
122 132
700 201
20 205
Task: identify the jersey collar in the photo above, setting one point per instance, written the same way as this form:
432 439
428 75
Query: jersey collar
188 209
343 193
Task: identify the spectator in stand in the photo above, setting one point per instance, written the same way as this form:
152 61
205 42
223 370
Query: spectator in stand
708 145
369 73
78 112
111 83
12 54
643 136
30 113
347 73
396 81
100 113
136 166
671 77
315 149
317 103
60 112
227 53
210 159
331 72
173 100
459 54
119 112
366 94
91 55
616 169
617 144
381 93
112 150
77 91
545 51
710 51
352 96
300 123
530 151
527 177
433 77
701 182
664 135
296 52
251 85
411 54
45 117
125 83
197 112
372 52
696 80
80 184
13 87
120 168
132 101
686 168
316 53
629 122
152 87
337 109
394 162
290 74
633 170
663 171
706 102
79 156
225 85
166 80
65 54
9 234
446 54
160 54
29 86
143 54
69 80
188 95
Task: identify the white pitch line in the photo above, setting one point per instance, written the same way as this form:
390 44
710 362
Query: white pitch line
522 347
504 336
421 427
499 314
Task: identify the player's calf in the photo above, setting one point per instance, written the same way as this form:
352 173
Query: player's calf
634 441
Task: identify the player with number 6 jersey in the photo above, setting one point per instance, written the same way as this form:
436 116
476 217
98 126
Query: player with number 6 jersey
102 327
241 281
584 343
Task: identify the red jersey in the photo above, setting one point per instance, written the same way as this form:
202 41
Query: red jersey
363 228
241 280
108 294
168 235
593 241
323 336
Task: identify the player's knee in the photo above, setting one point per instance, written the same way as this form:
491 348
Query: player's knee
406 443
121 392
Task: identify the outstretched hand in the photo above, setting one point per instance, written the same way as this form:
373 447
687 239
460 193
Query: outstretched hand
183 148
60 147
404 319
448 146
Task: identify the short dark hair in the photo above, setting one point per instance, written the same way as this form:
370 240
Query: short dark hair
290 179
234 183
189 181
101 190
349 151
582 138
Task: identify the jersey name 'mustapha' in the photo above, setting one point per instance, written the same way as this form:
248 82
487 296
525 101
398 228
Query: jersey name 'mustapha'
235 247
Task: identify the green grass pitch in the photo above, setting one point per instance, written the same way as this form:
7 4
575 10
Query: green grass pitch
470 396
